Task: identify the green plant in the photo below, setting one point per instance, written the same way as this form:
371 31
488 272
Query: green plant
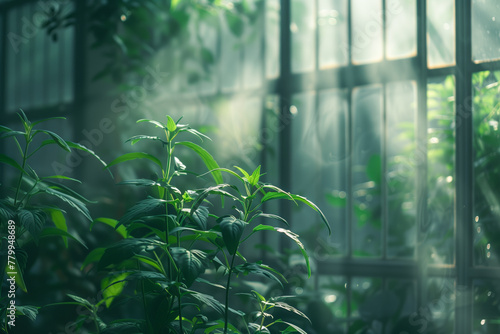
175 252
28 205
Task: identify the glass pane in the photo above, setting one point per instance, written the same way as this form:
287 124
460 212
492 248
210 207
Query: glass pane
401 178
486 307
440 33
438 315
39 71
366 31
485 30
332 25
303 27
486 168
305 169
252 56
332 303
272 33
401 26
404 294
367 303
439 230
332 136
367 171
230 59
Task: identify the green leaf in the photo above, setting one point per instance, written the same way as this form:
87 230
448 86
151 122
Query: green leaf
27 310
60 222
47 119
94 256
211 190
127 248
283 195
135 139
57 139
374 168
158 124
80 300
74 202
289 308
111 222
135 156
61 177
52 231
244 172
207 159
254 178
11 162
256 269
32 220
141 209
200 217
112 286
190 263
275 217
232 229
171 126
295 327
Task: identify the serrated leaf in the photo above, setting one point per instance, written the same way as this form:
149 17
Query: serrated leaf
232 229
200 217
190 263
32 220
141 209
256 269
80 300
74 202
127 248
28 311
254 178
207 158
135 156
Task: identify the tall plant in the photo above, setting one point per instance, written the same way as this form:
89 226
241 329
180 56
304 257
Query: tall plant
174 248
27 209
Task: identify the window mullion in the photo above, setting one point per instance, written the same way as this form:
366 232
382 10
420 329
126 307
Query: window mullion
421 148
464 169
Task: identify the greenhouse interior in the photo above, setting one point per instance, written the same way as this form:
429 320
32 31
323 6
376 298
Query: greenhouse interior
250 166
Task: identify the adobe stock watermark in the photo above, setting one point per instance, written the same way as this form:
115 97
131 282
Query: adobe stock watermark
122 107
31 26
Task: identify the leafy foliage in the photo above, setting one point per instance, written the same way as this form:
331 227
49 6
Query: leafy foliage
28 203
174 244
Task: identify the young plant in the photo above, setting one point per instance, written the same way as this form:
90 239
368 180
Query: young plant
26 207
174 248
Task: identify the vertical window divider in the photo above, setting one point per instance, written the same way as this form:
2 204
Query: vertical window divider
284 92
349 187
464 168
383 177
421 151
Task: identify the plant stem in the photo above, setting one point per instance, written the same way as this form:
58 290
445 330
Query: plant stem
226 313
180 310
22 167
